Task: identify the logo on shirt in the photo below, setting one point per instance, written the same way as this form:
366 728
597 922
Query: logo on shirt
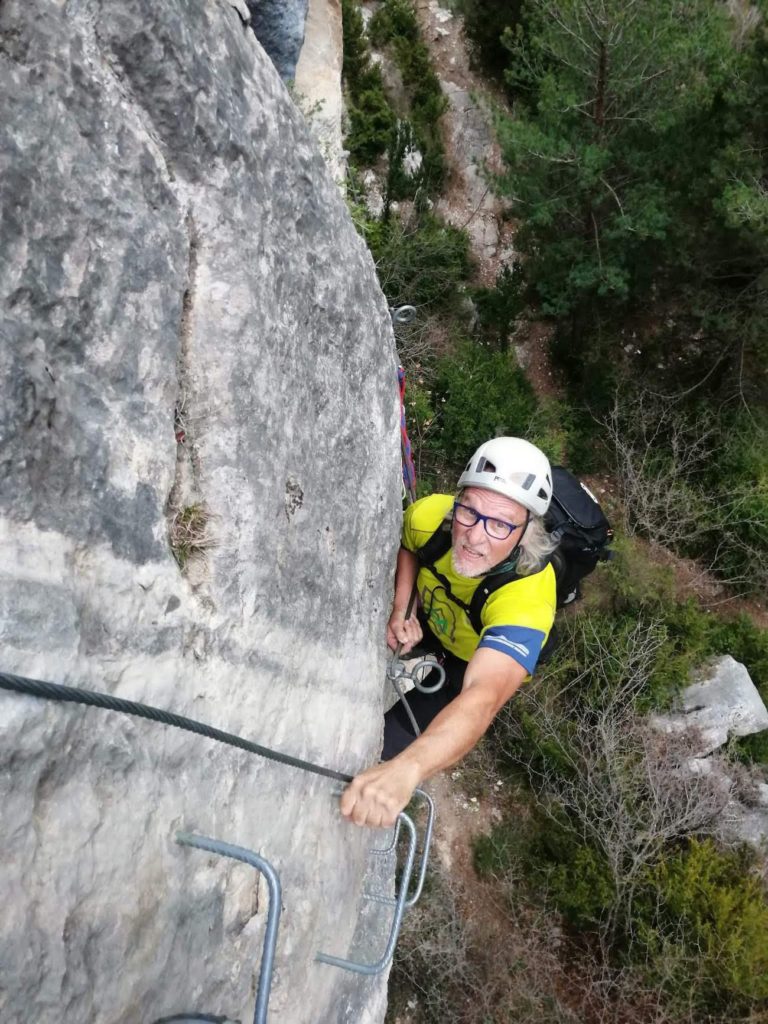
439 611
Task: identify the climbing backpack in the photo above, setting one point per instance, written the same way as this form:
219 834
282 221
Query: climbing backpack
574 519
583 533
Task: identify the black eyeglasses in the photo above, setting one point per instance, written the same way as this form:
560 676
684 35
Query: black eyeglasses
498 529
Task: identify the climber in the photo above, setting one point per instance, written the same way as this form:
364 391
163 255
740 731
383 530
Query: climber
494 525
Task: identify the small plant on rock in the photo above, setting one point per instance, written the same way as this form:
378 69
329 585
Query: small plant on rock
189 533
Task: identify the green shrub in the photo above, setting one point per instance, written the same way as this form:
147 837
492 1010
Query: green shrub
499 307
751 749
395 25
420 422
369 228
480 394
738 474
582 887
495 852
428 104
551 428
371 122
395 19
356 54
600 650
422 263
707 902
485 23
637 586
371 118
400 183
552 862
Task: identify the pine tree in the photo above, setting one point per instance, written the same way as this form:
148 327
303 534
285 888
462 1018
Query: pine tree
613 129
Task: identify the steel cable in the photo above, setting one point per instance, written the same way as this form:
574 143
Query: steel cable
93 698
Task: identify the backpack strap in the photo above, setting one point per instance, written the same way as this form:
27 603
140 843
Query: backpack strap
488 585
436 546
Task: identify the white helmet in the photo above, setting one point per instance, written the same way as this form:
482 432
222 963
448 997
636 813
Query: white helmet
514 468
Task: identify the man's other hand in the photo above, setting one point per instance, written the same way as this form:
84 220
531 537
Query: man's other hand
376 796
403 631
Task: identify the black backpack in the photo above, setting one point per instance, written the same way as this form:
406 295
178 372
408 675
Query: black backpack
574 518
577 522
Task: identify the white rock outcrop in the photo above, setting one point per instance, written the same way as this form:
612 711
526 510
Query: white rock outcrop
723 704
318 81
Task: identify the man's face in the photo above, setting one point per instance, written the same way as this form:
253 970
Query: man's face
473 551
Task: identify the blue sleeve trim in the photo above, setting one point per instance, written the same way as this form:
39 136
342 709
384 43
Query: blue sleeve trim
520 642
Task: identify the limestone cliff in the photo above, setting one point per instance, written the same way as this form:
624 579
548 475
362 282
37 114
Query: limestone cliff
191 334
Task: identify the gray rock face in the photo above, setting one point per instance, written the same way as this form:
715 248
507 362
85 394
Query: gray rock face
192 339
725 703
279 27
746 825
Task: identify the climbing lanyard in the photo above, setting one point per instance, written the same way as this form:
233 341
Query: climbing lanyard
396 671
405 315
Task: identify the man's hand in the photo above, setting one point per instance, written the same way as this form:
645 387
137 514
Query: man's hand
403 631
399 629
376 796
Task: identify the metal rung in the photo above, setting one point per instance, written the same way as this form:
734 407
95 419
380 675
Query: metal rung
393 841
390 900
397 919
273 915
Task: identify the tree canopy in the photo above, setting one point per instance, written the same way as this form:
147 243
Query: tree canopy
611 94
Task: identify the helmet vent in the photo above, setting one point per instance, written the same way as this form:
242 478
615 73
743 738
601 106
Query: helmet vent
485 466
526 484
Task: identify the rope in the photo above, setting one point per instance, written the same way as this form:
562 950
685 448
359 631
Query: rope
409 470
92 698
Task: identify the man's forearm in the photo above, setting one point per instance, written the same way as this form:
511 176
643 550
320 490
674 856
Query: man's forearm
450 735
376 796
403 630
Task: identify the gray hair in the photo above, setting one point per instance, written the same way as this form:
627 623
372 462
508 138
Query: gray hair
535 547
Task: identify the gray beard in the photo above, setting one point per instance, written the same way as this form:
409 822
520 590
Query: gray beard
467 575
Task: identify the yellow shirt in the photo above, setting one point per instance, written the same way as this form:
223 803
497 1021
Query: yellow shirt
516 618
